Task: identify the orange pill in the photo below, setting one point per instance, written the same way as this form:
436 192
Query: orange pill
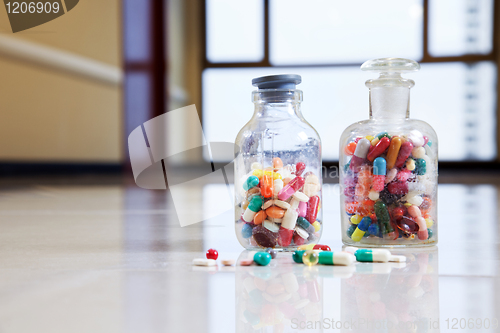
277 163
392 153
259 217
366 207
275 212
350 148
267 186
351 207
426 204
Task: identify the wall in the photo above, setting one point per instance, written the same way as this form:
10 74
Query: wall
55 116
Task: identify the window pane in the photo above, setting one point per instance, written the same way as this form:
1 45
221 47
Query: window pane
456 99
235 30
136 16
458 27
327 32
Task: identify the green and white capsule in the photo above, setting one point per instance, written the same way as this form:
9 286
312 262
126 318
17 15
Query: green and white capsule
369 255
335 258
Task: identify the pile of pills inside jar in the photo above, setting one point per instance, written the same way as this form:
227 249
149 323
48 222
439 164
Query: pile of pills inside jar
280 205
389 188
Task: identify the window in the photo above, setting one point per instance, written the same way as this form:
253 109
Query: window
326 41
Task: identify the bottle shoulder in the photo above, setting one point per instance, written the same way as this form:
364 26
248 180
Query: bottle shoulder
282 126
369 126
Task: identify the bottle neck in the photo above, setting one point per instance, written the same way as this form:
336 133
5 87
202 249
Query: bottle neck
277 103
389 103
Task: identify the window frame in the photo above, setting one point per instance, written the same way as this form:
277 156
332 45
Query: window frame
493 56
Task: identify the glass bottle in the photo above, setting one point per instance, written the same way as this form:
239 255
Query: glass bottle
277 170
389 167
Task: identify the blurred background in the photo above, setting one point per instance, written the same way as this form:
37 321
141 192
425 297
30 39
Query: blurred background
84 249
74 88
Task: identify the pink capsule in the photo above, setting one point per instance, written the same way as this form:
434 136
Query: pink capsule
285 236
397 188
293 186
403 175
404 153
302 208
414 211
299 168
391 174
312 209
423 234
378 183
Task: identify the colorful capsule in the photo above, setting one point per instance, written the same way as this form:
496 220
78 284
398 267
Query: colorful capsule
335 258
361 229
293 186
251 181
364 182
379 171
423 234
297 256
379 149
321 247
368 255
285 236
350 148
312 209
252 209
360 154
392 153
404 153
383 217
398 188
299 168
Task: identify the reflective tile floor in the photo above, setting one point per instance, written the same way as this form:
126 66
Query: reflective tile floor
92 256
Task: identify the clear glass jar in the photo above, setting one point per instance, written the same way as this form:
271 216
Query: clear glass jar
277 170
389 167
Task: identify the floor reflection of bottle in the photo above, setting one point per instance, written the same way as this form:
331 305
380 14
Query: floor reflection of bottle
395 297
281 297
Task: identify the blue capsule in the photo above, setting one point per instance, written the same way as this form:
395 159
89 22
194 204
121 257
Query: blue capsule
379 166
374 229
246 231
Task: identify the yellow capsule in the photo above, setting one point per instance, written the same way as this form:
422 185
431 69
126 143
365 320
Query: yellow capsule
410 164
310 258
355 219
317 226
258 173
357 235
259 325
306 247
369 137
407 204
375 141
276 176
429 223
